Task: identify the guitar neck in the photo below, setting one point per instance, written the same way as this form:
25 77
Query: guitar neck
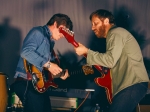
75 72
60 74
75 44
71 73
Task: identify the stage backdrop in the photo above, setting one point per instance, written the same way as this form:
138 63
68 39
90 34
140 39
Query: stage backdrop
17 17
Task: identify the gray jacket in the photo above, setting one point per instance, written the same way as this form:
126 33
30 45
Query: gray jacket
124 58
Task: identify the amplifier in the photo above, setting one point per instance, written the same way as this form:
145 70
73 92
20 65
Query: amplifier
62 102
143 108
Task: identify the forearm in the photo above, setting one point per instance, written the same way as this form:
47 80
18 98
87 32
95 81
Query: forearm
34 58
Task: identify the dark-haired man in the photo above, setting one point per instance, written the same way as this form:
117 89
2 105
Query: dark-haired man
37 50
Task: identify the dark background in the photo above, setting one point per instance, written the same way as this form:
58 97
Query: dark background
17 17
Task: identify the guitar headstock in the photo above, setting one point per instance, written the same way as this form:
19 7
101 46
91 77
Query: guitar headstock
69 35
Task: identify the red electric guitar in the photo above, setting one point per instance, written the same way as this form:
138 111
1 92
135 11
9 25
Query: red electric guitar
103 81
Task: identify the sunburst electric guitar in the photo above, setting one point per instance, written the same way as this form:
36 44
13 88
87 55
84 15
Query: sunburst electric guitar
105 79
43 80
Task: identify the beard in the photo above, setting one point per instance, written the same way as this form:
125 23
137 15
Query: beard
101 32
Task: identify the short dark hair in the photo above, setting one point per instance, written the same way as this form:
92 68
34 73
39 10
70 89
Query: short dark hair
61 19
102 14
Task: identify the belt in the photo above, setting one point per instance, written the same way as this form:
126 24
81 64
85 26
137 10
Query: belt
20 79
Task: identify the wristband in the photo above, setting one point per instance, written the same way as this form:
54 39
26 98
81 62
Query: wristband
48 65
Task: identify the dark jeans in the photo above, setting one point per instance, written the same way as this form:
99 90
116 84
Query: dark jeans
33 100
128 99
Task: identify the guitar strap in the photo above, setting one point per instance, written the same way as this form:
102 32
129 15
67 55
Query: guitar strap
27 67
56 57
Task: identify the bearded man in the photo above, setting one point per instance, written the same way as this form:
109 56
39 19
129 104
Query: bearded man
129 79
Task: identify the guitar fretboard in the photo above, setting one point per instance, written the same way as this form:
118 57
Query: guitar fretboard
71 72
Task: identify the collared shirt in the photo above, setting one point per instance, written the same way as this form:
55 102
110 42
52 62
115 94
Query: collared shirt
37 49
124 58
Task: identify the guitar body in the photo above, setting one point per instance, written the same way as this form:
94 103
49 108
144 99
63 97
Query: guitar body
104 81
42 81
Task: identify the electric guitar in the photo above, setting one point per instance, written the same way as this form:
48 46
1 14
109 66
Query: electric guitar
43 80
105 79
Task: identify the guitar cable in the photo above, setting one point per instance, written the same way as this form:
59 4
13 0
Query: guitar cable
24 96
82 101
28 70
